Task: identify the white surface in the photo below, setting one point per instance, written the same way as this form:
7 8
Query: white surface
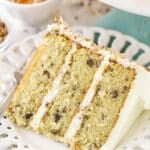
139 135
23 50
141 7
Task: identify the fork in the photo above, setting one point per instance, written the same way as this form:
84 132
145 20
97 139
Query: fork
5 102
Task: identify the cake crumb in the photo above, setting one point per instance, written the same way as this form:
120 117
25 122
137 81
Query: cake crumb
54 131
57 117
28 115
46 73
114 94
90 62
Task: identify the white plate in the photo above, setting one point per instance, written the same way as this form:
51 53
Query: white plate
140 7
12 137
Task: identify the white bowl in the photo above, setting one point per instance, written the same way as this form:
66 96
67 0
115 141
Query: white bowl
32 14
5 17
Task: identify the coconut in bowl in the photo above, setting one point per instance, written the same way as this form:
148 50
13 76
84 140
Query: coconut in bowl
26 1
5 30
32 12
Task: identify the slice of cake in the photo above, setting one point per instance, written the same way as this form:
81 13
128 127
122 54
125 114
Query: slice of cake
79 93
38 77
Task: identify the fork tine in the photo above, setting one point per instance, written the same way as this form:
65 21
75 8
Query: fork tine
4 103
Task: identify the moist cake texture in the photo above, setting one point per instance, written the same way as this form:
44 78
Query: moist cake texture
38 78
73 88
76 92
100 116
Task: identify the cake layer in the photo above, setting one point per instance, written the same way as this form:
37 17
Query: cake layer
100 116
38 78
132 108
72 89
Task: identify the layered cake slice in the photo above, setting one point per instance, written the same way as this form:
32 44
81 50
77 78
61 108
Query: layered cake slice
78 93
38 77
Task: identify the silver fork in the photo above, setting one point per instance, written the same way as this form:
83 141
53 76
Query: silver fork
3 105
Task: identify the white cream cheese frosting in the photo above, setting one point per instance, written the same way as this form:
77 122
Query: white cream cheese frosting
138 99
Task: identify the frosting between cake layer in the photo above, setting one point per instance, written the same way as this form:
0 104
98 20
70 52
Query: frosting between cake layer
54 89
98 75
137 99
74 126
77 120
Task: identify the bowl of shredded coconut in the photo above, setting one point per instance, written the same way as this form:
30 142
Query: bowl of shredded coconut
32 12
5 33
